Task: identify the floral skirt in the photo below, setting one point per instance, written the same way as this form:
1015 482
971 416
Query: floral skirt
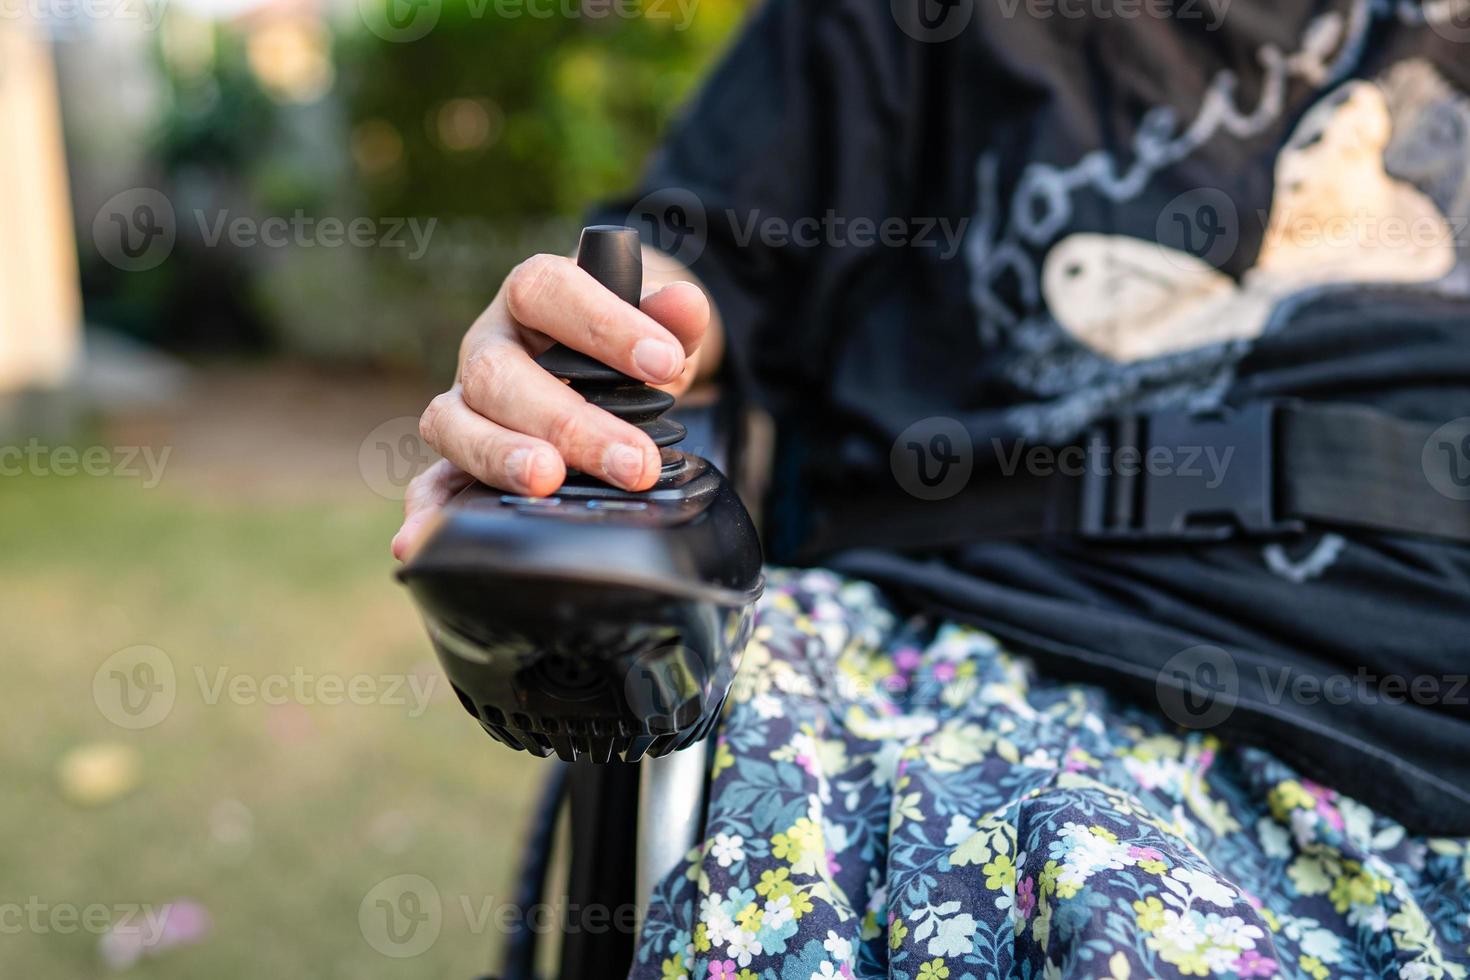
902 797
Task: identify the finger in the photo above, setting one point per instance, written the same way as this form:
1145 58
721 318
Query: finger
427 495
681 308
501 382
551 295
491 453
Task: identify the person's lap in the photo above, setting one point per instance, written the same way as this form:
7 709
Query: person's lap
903 798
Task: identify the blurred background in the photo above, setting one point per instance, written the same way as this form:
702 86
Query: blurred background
239 240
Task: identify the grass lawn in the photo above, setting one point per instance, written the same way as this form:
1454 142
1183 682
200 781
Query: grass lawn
278 818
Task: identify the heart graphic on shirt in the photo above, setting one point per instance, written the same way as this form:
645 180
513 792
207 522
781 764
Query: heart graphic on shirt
1337 217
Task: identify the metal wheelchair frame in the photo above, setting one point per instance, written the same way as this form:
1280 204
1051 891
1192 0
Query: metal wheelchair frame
627 824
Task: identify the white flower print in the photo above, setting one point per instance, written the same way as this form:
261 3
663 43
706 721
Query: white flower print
1180 930
777 912
728 849
954 937
744 946
1233 931
840 948
1275 841
1204 886
960 829
767 706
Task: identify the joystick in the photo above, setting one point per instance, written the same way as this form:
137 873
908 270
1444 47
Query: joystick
595 623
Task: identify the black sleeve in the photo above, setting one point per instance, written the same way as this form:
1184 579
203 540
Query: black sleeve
802 119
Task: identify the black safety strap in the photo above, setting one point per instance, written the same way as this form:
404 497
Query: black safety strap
1264 471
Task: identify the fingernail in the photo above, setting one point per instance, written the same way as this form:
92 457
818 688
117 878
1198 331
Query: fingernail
657 359
518 467
623 464
543 467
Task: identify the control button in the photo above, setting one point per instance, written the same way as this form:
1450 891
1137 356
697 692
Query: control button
616 505
530 501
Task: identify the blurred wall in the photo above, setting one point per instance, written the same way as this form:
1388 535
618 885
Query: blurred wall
40 303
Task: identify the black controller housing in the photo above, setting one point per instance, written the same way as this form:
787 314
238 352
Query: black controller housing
595 623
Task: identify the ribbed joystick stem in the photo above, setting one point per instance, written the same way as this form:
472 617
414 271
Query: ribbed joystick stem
613 255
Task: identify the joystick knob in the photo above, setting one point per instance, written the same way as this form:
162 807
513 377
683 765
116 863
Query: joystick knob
596 623
613 256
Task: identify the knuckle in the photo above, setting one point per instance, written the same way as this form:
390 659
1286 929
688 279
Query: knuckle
483 375
484 460
602 325
568 432
419 488
529 282
431 421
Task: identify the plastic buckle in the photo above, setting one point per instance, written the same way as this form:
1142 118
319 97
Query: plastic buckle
1180 477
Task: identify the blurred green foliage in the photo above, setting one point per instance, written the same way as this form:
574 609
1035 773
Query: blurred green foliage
577 103
501 125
